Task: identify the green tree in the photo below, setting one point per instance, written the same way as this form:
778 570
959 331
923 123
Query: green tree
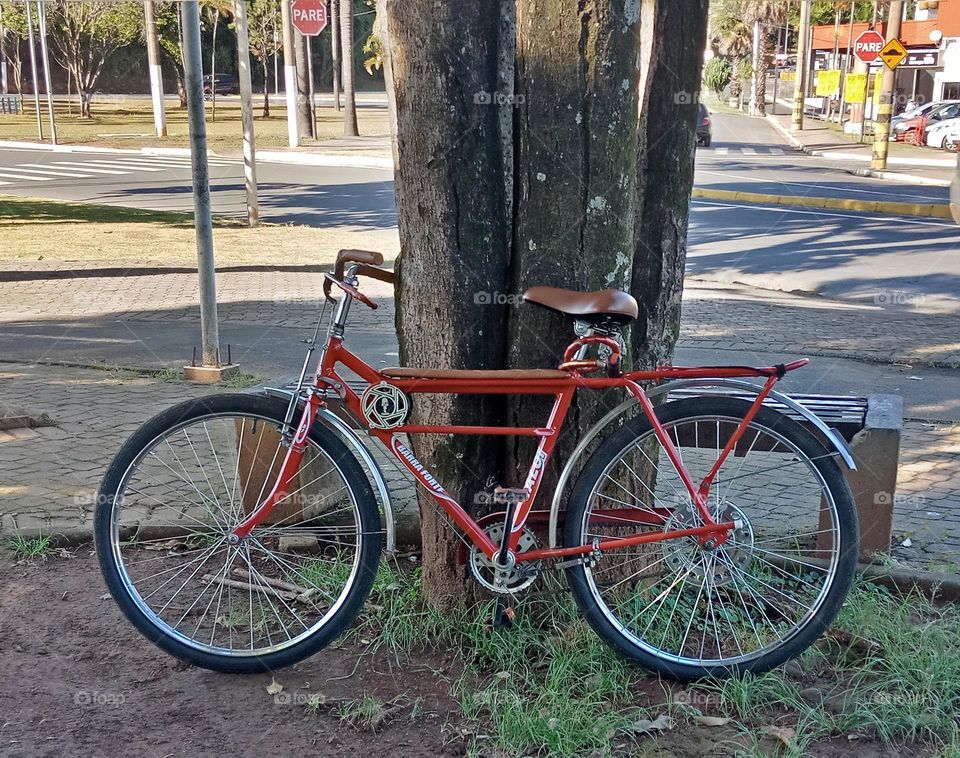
717 75
765 16
263 21
86 34
13 21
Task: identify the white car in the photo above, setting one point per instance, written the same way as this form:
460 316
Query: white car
938 132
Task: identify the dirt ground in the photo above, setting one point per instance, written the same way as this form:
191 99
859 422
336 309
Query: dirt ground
77 679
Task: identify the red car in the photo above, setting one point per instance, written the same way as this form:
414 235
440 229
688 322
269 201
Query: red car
912 129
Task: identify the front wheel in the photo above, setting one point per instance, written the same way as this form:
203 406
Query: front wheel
168 503
687 611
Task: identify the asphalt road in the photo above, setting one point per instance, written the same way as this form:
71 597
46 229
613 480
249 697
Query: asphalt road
894 262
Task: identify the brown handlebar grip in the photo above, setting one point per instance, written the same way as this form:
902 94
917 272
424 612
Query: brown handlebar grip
377 273
356 256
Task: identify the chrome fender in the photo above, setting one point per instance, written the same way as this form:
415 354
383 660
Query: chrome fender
354 441
832 435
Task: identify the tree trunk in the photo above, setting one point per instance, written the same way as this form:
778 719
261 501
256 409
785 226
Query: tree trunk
335 49
523 160
450 206
346 51
266 91
761 77
304 114
674 38
181 88
387 75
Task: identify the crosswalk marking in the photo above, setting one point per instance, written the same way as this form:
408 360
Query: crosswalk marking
721 150
114 164
758 151
776 151
748 151
24 176
48 168
88 167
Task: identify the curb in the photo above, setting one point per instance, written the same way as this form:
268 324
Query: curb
266 156
922 210
841 156
896 175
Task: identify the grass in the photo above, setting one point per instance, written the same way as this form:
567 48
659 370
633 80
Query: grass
35 229
31 547
129 123
888 671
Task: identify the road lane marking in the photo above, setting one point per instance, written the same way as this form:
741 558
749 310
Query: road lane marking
776 151
129 168
45 168
748 151
857 190
23 176
722 150
88 167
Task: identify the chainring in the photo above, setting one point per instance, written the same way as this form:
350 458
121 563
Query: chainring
513 580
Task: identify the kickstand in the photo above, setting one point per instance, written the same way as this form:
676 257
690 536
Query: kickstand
502 616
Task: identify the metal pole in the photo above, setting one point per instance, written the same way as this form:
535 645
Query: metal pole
290 74
42 18
335 51
153 63
33 67
881 141
803 47
313 100
246 109
276 66
202 219
846 64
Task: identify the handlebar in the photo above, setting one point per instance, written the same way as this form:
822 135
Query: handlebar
366 262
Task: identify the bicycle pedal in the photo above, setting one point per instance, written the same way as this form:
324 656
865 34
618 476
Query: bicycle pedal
503 617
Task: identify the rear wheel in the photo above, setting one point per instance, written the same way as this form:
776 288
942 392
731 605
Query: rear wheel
761 598
168 503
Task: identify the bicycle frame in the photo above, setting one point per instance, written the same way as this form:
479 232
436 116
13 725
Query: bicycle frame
561 388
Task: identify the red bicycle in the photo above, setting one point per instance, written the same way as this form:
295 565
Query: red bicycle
705 535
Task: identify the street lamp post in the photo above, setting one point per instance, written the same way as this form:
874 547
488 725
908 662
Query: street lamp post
33 69
803 52
42 19
881 127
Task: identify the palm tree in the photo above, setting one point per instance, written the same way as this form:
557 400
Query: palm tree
731 36
215 9
764 16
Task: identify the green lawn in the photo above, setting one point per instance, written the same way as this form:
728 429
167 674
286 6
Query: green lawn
130 124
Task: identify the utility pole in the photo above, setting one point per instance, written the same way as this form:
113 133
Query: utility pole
313 101
42 20
153 63
346 47
290 74
335 51
210 371
754 80
881 124
33 68
803 53
246 110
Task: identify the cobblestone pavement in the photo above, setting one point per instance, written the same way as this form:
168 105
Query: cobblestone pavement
49 475
714 316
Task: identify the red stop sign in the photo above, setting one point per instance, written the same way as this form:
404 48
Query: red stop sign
309 16
868 46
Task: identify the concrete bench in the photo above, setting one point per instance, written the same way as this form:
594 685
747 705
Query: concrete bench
872 425
10 104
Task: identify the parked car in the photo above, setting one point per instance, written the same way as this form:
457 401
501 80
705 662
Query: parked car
898 124
935 134
704 128
226 85
915 128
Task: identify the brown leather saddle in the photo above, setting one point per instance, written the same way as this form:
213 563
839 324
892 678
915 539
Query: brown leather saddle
610 306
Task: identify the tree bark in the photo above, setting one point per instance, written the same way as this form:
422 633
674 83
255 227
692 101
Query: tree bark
577 80
304 113
673 43
346 53
266 91
524 159
450 205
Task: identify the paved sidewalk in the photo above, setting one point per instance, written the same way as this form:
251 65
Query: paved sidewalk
904 162
50 474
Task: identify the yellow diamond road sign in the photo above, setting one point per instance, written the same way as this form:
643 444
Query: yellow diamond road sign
893 53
